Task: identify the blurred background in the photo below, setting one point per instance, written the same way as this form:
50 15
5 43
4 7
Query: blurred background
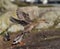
35 8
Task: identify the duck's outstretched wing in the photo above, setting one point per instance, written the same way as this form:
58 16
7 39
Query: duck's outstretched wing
23 15
22 22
